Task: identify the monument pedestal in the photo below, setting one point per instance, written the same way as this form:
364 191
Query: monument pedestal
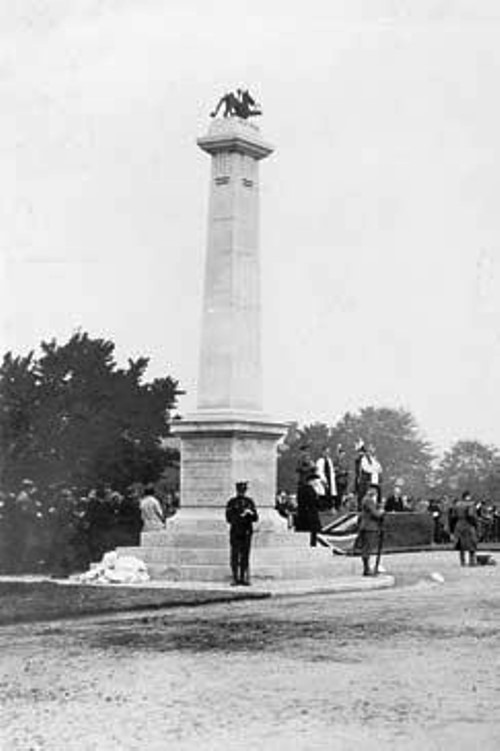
220 448
217 450
197 549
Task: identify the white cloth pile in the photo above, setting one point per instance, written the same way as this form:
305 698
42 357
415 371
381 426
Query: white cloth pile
115 569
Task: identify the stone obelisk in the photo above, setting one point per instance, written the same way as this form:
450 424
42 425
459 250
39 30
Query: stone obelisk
229 437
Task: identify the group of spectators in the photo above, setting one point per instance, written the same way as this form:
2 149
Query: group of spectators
62 530
487 519
328 484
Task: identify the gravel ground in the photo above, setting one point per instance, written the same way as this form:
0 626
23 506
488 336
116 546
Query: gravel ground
415 667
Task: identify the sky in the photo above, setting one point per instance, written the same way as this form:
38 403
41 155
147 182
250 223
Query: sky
380 221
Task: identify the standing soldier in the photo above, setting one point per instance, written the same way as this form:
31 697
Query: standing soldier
240 515
370 529
465 529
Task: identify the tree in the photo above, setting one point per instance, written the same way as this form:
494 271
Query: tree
400 448
73 417
470 465
404 454
314 436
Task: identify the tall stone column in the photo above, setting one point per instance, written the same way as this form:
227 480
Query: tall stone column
230 375
229 437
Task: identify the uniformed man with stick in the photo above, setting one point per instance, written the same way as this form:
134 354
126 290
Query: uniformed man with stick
370 534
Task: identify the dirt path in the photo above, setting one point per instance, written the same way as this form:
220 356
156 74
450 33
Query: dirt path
410 668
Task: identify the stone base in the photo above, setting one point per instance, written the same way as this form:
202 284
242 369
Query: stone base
220 448
195 547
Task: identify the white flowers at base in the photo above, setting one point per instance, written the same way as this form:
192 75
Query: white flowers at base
115 569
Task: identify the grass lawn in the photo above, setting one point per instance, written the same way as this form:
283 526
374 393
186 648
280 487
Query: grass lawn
25 602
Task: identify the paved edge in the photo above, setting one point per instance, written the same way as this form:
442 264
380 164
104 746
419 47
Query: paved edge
258 589
222 594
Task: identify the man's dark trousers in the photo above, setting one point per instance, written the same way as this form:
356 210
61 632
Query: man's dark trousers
240 554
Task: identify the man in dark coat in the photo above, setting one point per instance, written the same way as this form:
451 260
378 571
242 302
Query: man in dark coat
465 529
341 475
370 528
311 498
240 515
395 500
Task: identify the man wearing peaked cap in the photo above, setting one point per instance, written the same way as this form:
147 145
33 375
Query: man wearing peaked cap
240 515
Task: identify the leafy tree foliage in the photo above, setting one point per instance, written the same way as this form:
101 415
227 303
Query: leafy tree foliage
403 453
72 417
470 465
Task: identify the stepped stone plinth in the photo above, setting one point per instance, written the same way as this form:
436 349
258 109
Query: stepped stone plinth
195 547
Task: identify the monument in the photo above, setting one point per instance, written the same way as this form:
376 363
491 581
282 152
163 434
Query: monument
229 437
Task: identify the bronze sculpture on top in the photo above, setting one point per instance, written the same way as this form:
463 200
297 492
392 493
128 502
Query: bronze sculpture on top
241 104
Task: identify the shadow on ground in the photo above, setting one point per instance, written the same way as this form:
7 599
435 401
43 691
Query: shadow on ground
257 635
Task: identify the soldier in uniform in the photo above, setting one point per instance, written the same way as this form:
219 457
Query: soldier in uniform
240 515
465 529
370 528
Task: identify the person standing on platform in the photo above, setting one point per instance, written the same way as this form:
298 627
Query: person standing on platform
304 465
370 528
240 515
312 499
326 473
368 471
341 476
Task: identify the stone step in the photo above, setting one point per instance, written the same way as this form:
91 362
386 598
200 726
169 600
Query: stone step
221 573
182 539
215 522
218 556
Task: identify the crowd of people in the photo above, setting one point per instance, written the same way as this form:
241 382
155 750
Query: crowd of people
328 483
62 530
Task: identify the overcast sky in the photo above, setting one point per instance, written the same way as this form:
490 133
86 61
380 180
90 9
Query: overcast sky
380 211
